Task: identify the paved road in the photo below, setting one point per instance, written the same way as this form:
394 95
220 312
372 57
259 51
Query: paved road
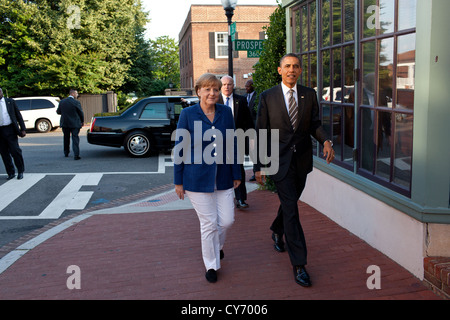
55 186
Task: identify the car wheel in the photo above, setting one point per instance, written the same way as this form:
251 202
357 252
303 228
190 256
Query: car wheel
137 144
43 125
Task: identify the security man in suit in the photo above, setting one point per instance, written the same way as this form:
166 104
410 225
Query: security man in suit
292 110
72 120
10 120
251 98
242 120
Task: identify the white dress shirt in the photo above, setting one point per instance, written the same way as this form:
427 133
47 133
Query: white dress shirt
5 119
230 102
249 96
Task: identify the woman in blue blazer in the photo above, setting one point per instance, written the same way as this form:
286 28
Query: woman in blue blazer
206 169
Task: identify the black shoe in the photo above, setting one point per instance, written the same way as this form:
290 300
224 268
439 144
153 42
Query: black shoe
278 242
211 275
301 276
10 176
77 157
252 178
222 255
66 155
241 204
20 176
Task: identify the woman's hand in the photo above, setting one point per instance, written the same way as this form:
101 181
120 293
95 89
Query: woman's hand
179 191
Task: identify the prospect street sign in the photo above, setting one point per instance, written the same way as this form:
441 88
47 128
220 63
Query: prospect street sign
247 45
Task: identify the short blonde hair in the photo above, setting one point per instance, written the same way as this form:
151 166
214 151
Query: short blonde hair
207 79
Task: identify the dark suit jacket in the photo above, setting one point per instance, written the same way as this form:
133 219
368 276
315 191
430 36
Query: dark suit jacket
242 117
251 106
72 115
15 115
272 114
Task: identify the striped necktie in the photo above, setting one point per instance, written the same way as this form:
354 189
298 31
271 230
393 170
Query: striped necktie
293 110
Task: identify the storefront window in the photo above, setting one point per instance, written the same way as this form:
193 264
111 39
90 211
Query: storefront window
349 16
387 12
405 83
388 87
370 22
325 23
383 114
337 21
406 14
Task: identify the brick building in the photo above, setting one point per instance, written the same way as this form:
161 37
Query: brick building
203 41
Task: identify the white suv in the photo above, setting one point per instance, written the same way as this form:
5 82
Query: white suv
39 112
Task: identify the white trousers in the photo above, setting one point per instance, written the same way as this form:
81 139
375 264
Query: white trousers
215 212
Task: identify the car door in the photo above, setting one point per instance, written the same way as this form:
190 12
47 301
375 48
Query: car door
155 119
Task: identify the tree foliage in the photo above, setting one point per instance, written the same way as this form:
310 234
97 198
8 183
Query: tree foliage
266 70
166 64
49 46
166 60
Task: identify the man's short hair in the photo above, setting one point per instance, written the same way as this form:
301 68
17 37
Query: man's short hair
293 55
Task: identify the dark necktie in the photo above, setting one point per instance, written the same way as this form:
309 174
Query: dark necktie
293 110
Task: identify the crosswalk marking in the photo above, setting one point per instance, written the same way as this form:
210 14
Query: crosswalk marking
14 188
70 197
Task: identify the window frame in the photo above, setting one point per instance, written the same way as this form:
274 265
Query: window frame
356 38
222 45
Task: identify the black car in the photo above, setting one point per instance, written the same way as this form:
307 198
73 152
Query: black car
145 127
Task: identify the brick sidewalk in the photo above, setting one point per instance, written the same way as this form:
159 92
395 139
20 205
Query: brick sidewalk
157 255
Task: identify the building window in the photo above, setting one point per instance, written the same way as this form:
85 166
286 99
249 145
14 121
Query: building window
190 49
380 148
221 44
387 92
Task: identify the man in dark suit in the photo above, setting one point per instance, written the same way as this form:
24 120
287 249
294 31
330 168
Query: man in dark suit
72 119
293 111
10 120
242 120
251 98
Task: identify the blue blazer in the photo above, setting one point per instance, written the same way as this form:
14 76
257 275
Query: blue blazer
193 167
